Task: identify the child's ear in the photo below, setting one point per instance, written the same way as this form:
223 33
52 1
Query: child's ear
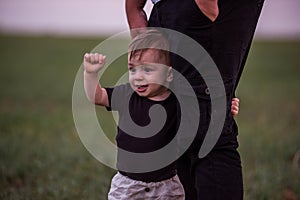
170 74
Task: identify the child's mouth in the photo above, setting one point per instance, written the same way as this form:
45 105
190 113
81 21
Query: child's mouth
141 88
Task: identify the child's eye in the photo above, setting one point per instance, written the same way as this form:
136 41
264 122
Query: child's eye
148 69
132 69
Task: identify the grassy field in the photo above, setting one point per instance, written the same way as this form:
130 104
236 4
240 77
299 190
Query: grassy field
42 157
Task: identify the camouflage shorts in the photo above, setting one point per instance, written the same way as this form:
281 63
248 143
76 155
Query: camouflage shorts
124 188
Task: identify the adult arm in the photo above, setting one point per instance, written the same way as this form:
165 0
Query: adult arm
136 16
209 8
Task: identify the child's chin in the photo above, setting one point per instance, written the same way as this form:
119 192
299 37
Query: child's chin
142 94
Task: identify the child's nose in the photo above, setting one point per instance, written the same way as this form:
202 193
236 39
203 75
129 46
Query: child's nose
139 75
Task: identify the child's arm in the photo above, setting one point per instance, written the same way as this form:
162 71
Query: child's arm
93 63
235 106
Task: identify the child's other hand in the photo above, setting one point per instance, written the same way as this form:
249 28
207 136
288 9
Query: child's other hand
235 106
93 62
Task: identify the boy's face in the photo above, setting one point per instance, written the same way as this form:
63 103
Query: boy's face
147 76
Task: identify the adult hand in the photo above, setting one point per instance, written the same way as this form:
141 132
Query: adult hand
209 8
235 106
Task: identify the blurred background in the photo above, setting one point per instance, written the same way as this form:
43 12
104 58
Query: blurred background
279 19
41 48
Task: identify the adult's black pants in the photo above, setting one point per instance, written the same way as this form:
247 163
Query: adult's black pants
227 40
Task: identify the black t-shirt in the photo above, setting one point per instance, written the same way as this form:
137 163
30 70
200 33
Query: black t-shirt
125 99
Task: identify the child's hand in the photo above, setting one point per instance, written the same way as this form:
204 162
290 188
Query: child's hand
93 62
235 106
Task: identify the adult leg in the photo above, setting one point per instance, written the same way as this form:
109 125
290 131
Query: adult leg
180 16
219 175
228 41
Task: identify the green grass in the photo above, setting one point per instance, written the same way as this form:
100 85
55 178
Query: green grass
42 157
269 120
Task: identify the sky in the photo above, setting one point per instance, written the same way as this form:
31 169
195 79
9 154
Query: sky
279 19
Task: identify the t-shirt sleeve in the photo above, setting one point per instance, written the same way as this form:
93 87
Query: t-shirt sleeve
118 96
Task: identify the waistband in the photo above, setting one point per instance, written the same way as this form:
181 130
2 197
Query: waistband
148 178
